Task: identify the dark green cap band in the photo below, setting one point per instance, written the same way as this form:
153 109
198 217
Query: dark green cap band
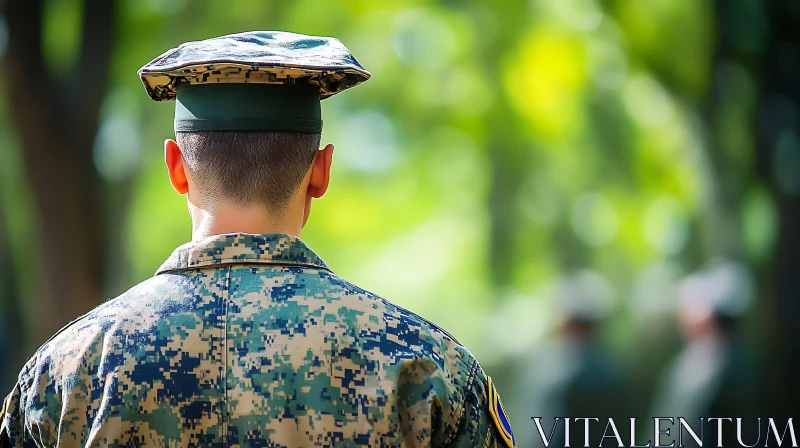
248 107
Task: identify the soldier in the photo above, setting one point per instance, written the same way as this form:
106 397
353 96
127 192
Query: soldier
715 374
245 337
582 378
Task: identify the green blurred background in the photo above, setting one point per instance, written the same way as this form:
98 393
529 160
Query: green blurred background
500 146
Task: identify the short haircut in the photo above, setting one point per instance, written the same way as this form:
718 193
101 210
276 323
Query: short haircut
248 167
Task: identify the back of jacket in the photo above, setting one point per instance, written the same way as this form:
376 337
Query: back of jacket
250 340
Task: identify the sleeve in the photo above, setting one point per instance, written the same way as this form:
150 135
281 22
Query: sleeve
483 421
12 433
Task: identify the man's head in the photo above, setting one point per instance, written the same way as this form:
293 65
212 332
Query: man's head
275 171
248 121
713 300
246 168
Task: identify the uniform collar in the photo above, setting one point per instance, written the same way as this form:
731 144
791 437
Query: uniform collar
274 248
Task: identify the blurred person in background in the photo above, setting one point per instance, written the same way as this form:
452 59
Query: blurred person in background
714 375
575 374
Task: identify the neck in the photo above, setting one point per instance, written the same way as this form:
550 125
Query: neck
227 218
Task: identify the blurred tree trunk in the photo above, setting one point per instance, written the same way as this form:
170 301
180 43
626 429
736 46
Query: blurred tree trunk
779 74
775 70
11 322
507 150
56 119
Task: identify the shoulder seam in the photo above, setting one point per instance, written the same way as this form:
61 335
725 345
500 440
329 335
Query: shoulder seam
437 327
63 329
388 302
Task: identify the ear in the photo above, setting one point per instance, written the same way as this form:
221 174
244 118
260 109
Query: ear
175 166
320 172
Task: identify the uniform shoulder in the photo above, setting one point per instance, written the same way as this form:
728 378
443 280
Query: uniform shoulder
84 335
429 359
407 337
390 308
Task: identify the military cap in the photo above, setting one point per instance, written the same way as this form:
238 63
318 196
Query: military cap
584 295
258 80
725 287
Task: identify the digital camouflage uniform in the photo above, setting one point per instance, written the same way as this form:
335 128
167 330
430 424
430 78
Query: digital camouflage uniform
251 340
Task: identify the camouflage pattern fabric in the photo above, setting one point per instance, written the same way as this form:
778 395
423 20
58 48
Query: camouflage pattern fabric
266 57
249 340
